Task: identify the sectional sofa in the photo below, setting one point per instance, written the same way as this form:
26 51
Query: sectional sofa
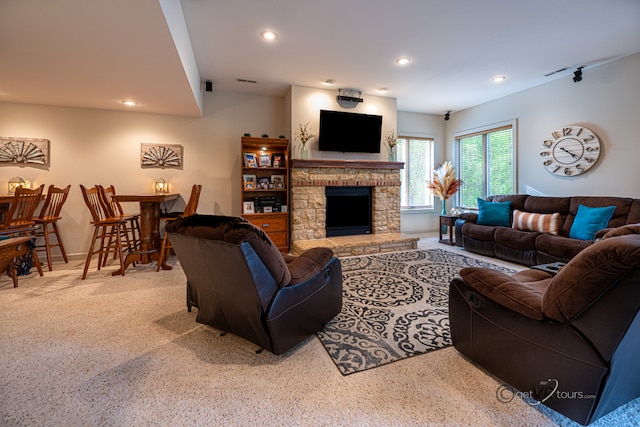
545 230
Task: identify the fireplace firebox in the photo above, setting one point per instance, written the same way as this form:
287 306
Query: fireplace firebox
348 211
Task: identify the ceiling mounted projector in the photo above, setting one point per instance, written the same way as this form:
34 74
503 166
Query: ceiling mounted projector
348 97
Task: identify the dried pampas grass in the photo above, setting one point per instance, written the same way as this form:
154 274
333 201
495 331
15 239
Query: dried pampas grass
444 183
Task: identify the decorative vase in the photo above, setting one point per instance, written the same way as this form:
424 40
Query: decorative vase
304 151
444 212
392 154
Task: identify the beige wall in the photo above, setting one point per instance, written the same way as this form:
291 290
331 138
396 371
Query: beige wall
102 147
607 101
427 126
306 104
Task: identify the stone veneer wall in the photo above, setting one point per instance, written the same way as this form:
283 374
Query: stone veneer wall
308 202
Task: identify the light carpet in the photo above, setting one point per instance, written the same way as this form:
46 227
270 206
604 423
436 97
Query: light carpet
394 306
124 351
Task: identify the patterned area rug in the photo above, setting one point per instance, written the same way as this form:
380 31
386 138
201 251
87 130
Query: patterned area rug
394 306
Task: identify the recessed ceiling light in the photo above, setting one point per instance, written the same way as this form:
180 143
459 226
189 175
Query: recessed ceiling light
129 103
269 35
403 60
499 79
382 90
328 82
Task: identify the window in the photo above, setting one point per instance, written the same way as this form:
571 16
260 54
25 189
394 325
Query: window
486 160
417 155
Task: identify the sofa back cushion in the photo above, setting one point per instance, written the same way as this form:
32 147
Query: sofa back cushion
517 200
633 217
591 273
618 218
548 205
235 230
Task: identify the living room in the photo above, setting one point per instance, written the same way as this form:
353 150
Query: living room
605 101
98 146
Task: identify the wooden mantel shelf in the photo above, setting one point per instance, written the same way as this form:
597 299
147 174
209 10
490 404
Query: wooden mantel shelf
352 164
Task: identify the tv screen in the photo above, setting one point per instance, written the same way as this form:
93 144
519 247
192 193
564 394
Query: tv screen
349 132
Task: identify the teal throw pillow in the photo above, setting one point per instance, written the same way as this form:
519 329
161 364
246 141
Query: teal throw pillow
589 221
494 213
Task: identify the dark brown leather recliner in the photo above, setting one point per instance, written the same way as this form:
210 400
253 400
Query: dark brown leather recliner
242 284
578 330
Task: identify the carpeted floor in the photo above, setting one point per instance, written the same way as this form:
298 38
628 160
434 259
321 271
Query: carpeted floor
124 351
395 305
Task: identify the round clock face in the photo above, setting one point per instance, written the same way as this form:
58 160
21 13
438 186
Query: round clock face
570 151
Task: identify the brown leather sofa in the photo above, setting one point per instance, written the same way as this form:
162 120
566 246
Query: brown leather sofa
242 284
534 247
569 341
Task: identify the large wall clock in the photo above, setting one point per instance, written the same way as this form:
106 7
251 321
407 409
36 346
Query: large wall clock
570 151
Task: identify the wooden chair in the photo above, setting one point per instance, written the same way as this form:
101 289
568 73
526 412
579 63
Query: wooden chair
104 228
49 216
22 208
190 209
131 231
19 218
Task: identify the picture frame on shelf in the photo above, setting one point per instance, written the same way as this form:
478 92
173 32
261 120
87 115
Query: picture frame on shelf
250 160
263 183
278 182
249 181
264 161
277 160
268 209
248 207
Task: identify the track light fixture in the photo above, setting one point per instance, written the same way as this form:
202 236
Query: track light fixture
447 115
577 75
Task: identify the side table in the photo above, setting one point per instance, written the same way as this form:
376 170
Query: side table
10 251
447 221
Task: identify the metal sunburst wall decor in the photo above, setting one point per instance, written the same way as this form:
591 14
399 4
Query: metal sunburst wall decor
24 151
161 156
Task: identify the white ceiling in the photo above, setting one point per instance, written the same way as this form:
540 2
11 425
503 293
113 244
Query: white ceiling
96 53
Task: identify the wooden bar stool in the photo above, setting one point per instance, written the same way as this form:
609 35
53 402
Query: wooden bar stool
49 216
131 231
104 228
190 209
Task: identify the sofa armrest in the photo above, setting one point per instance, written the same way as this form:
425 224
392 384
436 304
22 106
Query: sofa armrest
300 310
589 275
458 230
307 264
521 292
619 231
469 216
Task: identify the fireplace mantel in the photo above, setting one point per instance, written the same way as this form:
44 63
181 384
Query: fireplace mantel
348 164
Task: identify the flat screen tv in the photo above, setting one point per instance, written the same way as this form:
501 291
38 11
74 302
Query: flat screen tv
349 132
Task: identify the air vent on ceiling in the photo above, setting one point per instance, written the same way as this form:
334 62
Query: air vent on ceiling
246 81
556 71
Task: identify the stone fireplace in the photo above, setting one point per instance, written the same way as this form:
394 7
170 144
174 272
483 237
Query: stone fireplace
309 179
